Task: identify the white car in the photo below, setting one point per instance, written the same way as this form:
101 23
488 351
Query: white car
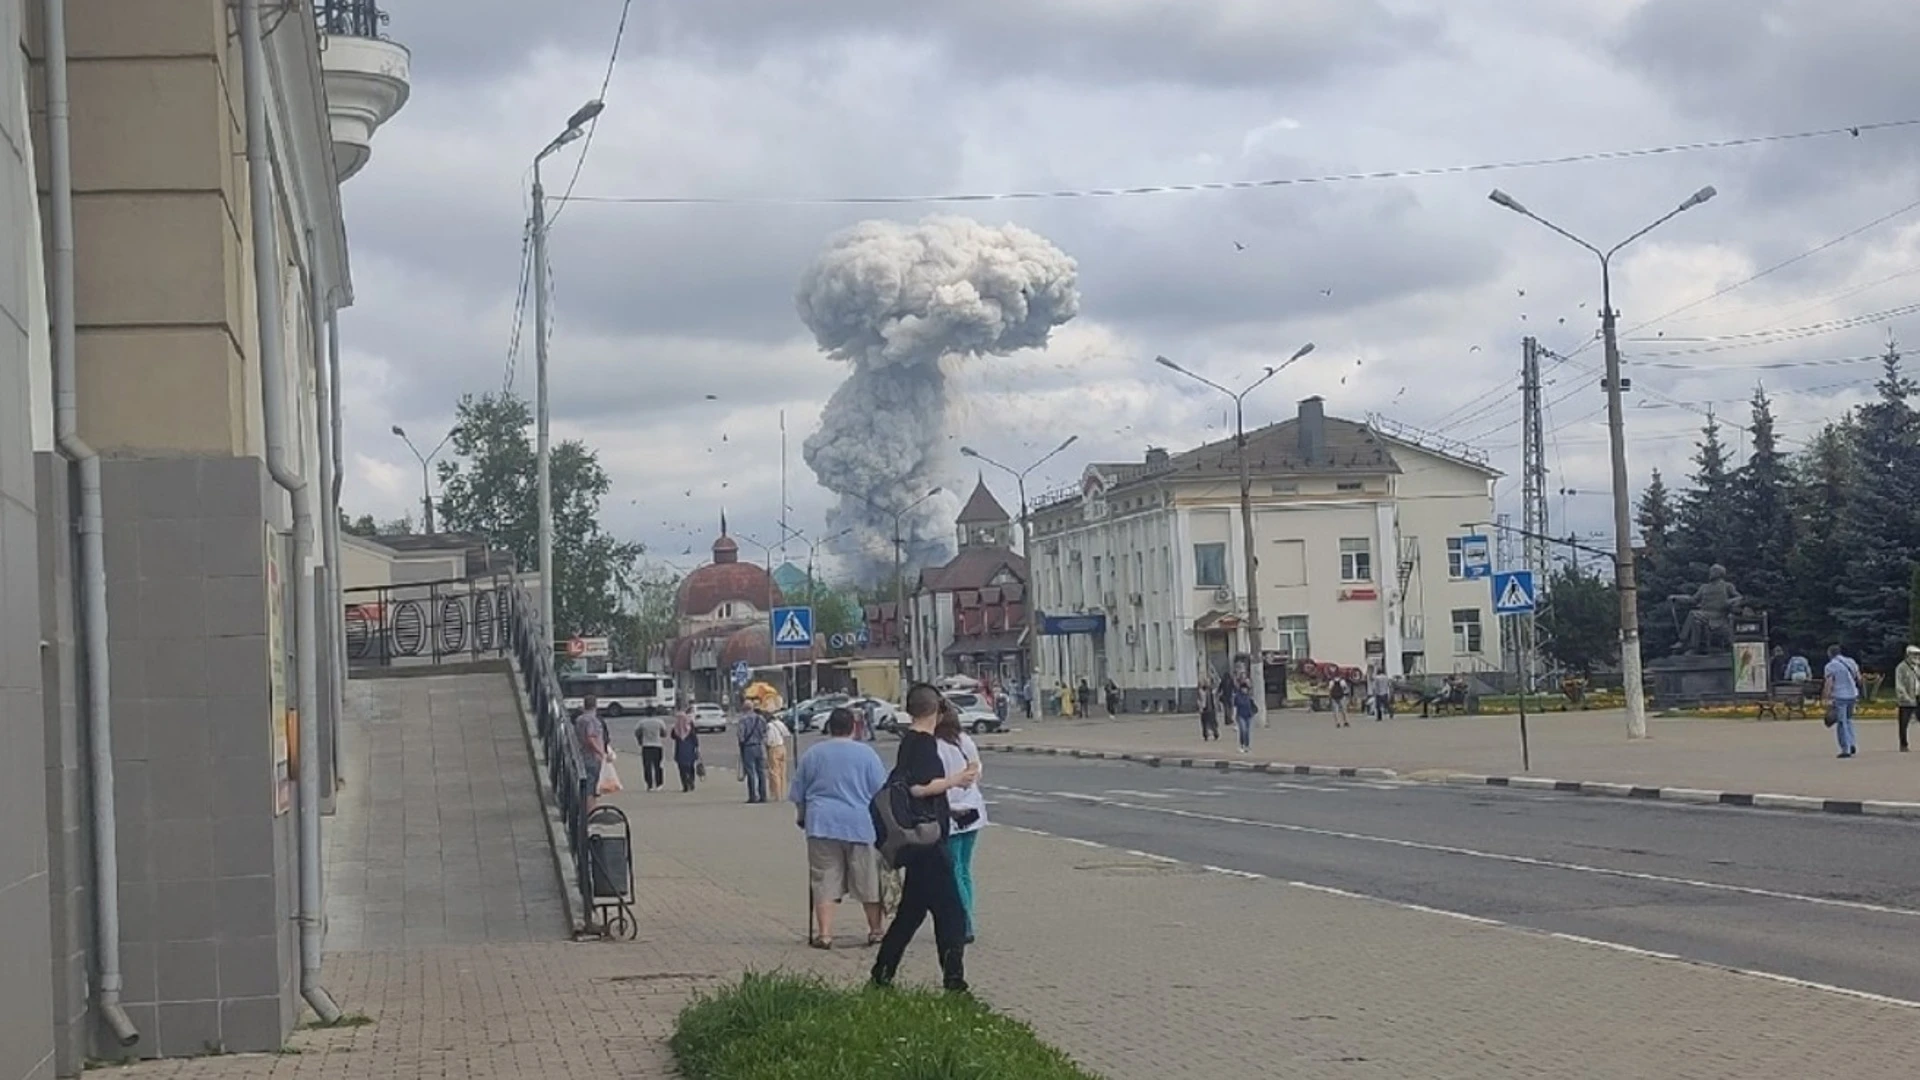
975 716
709 719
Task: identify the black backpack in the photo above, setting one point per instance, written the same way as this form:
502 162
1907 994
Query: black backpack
902 824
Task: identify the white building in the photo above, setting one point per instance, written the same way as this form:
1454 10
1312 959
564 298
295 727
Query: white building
1358 541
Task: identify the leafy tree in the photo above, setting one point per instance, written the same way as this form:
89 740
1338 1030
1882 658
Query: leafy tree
365 525
1881 529
653 615
1581 620
1658 576
1761 529
490 488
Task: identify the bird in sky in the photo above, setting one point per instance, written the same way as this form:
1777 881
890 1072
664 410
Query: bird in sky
1474 348
1238 246
713 397
1326 292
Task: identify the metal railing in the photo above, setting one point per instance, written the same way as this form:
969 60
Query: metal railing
559 750
432 622
350 18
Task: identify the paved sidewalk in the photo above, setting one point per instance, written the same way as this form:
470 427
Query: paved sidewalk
1140 968
1787 757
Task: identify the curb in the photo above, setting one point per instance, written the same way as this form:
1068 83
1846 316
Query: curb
1694 796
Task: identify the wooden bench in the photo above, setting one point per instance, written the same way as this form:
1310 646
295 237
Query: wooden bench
1788 697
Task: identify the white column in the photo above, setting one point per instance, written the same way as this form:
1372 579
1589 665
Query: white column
1391 602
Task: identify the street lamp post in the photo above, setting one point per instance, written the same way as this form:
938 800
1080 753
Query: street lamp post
813 547
549 580
1625 578
426 483
1026 550
1257 659
899 579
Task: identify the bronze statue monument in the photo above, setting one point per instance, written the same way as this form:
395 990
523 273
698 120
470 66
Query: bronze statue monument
1709 619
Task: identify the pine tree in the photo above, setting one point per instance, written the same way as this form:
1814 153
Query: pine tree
1823 490
1653 564
1882 527
1701 535
1762 527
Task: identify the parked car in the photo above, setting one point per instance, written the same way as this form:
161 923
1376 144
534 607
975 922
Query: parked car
709 718
885 716
812 712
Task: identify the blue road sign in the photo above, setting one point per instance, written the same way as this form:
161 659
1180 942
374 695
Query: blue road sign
1513 592
793 628
1064 625
1476 559
741 673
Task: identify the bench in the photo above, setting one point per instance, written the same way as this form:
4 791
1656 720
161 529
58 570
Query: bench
1788 697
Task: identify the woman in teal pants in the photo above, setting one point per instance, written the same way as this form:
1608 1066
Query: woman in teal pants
968 805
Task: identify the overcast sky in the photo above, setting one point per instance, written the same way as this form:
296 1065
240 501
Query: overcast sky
1416 290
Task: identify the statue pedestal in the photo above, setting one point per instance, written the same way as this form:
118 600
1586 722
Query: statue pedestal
1692 680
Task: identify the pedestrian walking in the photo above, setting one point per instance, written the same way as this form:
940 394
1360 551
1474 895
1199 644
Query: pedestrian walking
1083 697
686 748
833 789
929 887
1243 711
779 738
596 749
651 734
1382 688
1842 691
1209 711
753 754
1337 692
1113 698
1906 689
969 806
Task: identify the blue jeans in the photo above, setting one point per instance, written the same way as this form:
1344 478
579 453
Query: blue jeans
1843 724
961 846
753 762
1245 724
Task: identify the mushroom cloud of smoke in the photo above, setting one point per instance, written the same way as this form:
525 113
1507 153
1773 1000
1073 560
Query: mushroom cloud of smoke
897 302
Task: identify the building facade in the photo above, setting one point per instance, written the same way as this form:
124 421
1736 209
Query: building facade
1358 541
968 617
153 658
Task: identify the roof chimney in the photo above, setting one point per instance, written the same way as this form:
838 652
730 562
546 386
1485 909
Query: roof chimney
1156 457
1313 430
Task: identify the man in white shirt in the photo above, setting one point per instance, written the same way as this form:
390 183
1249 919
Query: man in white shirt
778 738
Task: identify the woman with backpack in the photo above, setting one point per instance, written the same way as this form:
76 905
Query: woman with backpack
912 821
1337 692
969 806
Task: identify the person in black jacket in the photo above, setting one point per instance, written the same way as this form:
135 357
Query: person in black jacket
930 887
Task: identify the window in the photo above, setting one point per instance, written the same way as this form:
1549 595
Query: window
1293 637
1210 566
1350 485
1356 560
1466 631
1456 557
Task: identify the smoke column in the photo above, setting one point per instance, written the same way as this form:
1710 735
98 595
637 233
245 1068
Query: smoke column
897 302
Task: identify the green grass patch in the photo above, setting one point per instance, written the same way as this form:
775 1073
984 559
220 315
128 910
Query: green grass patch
790 1027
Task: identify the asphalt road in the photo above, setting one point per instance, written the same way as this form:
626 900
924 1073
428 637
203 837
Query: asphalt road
1821 898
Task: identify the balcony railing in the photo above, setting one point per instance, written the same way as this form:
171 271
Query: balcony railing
350 18
434 622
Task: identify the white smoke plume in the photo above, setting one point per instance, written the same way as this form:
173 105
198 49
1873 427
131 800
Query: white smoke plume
897 302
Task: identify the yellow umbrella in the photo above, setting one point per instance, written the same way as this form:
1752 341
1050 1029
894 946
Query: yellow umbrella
762 696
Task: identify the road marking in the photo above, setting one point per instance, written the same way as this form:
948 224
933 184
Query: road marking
1496 924
1015 796
1323 789
1517 860
1138 794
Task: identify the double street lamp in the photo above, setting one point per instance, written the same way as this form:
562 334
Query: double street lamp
1029 601
899 578
813 547
426 482
1624 576
1256 664
576 127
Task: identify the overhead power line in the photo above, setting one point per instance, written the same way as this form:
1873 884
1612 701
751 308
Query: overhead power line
1851 130
606 82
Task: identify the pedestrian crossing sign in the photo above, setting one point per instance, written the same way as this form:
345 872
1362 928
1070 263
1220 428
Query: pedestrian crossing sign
793 627
1513 593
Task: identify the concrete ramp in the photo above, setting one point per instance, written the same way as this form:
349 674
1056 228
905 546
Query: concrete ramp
438 836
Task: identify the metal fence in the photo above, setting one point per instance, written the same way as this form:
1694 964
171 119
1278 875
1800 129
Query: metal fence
350 18
559 750
432 622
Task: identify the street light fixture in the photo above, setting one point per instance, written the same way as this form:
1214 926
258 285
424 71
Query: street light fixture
1026 550
1256 663
899 579
549 580
426 485
1625 582
813 547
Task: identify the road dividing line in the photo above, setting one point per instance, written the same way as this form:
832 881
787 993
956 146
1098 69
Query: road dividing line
1516 860
1137 794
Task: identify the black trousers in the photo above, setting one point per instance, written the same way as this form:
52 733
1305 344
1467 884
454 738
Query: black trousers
929 889
686 777
650 757
1907 713
1209 725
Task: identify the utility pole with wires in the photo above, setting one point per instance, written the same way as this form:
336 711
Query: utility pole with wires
1533 508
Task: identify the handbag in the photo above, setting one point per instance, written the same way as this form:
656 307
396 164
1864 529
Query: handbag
700 769
1832 716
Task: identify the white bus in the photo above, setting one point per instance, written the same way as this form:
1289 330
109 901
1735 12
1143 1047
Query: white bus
621 693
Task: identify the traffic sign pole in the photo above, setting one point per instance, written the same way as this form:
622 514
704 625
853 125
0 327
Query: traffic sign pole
1513 598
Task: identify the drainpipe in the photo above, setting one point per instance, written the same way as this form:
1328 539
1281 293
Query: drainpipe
270 321
93 556
332 527
320 319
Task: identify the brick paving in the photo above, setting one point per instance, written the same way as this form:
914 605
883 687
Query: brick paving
1140 968
1793 757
